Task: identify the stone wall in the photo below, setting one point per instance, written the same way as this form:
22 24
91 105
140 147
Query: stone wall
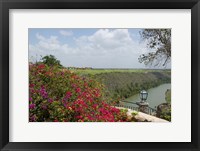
142 117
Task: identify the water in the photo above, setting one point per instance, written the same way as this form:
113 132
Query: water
155 97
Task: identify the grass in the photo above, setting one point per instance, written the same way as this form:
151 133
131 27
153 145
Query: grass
99 71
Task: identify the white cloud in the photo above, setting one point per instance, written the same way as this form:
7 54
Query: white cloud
47 44
66 32
111 39
106 41
105 48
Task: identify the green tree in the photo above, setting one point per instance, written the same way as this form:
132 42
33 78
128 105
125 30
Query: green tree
159 41
168 96
50 60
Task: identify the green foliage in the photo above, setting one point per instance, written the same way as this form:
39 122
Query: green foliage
134 113
168 96
50 60
100 71
58 95
166 114
159 40
164 111
121 85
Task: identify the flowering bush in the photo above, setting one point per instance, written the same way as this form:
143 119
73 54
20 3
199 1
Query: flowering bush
62 96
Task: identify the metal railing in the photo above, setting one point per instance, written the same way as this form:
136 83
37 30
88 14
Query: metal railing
151 111
148 110
128 107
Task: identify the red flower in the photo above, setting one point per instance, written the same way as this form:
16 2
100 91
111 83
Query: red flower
78 90
31 85
41 66
68 94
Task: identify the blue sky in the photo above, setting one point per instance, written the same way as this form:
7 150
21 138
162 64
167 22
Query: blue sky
91 47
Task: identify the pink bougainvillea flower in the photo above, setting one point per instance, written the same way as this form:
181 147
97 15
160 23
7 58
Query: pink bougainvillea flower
41 66
31 85
50 100
44 107
84 100
78 90
69 108
32 106
32 118
68 94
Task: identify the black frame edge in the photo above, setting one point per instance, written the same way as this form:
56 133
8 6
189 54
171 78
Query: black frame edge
1 64
198 80
195 67
100 4
4 70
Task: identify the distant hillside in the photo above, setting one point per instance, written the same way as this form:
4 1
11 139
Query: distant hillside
126 84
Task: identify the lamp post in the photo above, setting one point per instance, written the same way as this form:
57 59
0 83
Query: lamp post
143 105
143 95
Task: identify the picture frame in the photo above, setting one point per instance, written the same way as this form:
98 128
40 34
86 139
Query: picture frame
6 5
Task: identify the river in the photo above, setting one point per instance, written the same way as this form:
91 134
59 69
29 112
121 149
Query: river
155 97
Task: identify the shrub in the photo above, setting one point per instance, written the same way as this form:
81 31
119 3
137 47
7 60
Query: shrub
168 96
62 96
50 60
164 111
166 114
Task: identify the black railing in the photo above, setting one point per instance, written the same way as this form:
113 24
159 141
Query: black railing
128 102
151 111
128 107
148 110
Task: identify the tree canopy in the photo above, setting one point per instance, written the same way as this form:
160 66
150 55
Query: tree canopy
159 41
50 60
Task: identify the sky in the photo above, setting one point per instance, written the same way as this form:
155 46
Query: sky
89 47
